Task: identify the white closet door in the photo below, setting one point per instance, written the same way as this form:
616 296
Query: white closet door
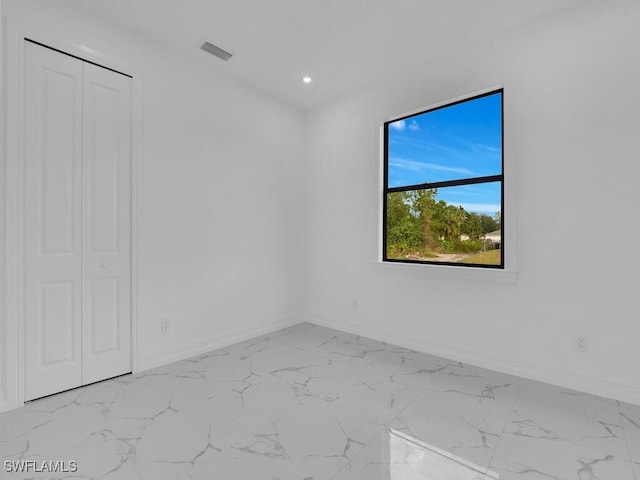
52 221
77 222
106 204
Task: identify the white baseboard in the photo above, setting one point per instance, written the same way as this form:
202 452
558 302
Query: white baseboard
617 389
198 347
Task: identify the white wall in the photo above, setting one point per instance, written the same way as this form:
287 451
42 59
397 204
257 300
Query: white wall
218 237
571 92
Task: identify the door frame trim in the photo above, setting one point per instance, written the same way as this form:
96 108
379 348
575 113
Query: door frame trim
14 164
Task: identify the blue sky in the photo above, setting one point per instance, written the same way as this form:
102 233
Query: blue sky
461 141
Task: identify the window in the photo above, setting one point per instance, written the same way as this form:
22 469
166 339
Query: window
443 184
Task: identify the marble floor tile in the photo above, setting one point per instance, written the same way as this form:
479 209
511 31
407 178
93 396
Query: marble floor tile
393 455
239 455
352 350
62 428
319 438
312 403
378 399
466 420
561 433
631 423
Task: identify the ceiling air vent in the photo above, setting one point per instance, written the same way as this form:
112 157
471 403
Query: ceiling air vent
217 51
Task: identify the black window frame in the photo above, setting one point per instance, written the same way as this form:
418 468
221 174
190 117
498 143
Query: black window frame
443 184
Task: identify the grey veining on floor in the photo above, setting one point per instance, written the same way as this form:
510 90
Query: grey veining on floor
309 402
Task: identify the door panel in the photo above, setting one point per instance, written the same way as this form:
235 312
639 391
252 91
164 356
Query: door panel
52 221
58 161
57 318
103 164
106 260
105 332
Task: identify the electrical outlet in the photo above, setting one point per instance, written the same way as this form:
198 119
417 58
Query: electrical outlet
582 343
164 325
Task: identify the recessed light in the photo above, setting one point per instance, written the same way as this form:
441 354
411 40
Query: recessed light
306 79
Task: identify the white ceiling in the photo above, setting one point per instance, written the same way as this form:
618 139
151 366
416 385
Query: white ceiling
342 44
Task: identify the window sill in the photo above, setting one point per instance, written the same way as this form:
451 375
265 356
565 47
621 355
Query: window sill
447 271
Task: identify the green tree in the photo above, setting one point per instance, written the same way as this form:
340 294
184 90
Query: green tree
472 225
423 205
488 223
416 222
403 226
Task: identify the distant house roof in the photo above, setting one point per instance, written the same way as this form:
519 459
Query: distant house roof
495 236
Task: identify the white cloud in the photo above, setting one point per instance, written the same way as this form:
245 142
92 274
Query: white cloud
480 147
415 166
488 148
401 125
398 125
